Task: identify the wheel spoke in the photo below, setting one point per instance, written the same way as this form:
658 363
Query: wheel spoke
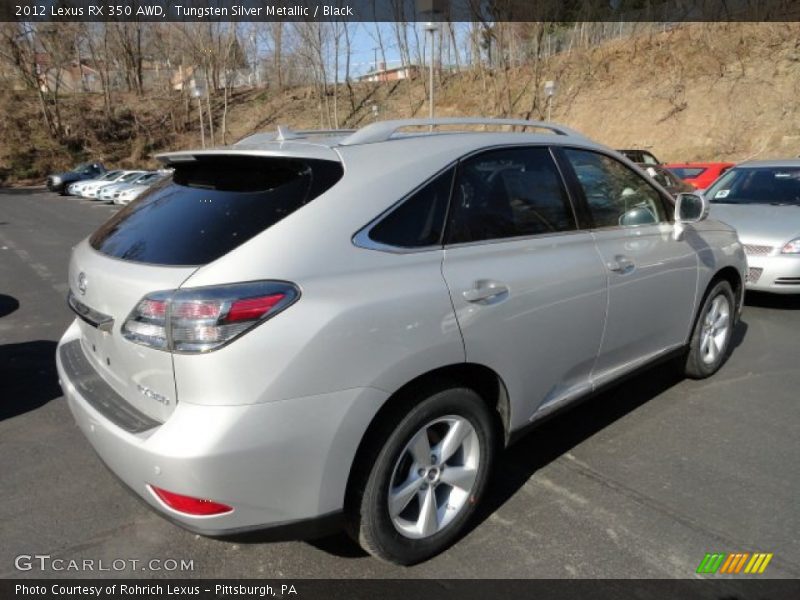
428 521
460 477
420 448
712 348
452 440
705 344
400 497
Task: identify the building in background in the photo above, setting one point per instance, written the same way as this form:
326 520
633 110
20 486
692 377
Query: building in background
382 74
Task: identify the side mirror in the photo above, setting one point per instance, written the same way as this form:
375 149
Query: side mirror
690 208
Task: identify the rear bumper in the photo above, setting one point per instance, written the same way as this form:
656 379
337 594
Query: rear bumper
774 274
277 463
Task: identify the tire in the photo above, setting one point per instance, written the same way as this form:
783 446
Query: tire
710 343
399 468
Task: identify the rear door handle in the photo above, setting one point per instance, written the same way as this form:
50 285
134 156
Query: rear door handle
621 264
485 290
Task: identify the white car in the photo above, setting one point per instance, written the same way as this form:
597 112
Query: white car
106 193
76 189
90 191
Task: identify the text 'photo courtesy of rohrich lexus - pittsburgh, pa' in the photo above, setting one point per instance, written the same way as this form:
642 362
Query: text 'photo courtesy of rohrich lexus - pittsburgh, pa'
344 328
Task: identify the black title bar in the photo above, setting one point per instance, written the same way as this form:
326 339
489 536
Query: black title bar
405 589
398 10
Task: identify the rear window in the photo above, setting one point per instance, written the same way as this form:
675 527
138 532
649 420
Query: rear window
687 172
210 206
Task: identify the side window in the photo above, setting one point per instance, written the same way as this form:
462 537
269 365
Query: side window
617 196
419 220
508 193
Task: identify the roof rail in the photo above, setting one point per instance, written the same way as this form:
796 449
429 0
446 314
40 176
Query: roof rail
384 130
284 133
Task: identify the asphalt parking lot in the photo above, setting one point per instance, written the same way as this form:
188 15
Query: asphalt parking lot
641 481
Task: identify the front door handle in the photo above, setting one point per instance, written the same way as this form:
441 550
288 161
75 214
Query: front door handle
485 291
620 264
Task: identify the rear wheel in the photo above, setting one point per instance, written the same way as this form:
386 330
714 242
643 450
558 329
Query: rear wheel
711 338
428 469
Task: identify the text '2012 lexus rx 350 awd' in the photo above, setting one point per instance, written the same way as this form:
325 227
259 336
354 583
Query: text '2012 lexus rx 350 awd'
345 327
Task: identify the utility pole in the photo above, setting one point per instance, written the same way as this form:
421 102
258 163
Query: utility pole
197 92
431 27
549 91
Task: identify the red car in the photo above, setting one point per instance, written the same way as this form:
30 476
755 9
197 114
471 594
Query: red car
699 174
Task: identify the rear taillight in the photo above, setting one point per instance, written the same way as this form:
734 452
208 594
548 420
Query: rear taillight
196 320
191 506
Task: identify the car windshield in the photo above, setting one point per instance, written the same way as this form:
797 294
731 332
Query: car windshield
687 172
130 177
109 175
757 185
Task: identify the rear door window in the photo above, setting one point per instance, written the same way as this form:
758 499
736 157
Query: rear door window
508 193
212 205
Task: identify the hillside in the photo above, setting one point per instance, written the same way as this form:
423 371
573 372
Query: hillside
704 91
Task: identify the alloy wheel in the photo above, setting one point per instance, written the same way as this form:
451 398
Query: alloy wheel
716 329
434 476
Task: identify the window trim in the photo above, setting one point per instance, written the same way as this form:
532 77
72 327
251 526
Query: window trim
666 199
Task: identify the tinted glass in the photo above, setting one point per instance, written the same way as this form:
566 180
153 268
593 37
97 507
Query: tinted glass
211 206
687 172
419 220
508 193
617 196
757 186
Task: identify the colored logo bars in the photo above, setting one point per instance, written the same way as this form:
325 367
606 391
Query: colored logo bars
734 563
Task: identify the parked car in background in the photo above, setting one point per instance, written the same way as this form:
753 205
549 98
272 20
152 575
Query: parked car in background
699 175
311 328
58 182
761 199
90 190
133 191
106 193
642 157
76 189
667 179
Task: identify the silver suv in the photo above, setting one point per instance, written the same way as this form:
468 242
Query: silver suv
315 328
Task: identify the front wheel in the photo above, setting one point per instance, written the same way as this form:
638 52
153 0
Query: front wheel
711 338
429 469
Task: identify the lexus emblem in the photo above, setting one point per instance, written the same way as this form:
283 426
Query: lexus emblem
83 281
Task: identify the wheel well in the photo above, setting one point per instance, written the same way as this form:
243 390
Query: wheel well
729 274
483 380
733 277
